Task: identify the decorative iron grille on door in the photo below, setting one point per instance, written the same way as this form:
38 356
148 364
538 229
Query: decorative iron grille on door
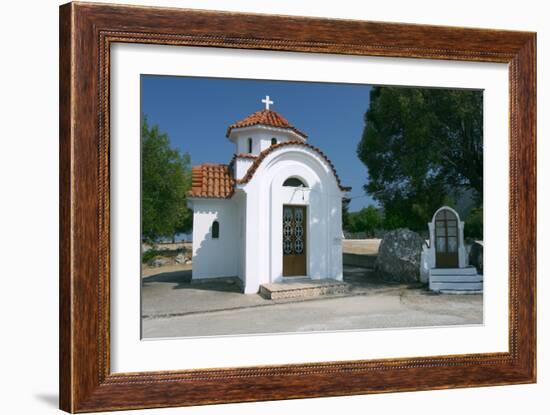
294 240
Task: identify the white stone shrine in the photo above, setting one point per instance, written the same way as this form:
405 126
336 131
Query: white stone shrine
444 260
273 213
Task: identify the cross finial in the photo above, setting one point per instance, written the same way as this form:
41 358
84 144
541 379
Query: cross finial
267 102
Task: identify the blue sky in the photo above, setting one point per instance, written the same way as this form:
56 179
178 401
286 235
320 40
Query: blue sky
195 113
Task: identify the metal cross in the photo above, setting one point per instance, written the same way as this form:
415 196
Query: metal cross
267 102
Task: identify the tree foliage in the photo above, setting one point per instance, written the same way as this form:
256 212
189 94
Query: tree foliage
165 180
422 147
473 225
366 220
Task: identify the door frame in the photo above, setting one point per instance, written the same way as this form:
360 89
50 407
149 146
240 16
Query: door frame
447 259
305 207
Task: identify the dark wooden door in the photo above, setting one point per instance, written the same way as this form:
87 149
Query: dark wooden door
294 240
446 240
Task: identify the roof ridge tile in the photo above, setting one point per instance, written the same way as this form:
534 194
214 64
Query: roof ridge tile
265 117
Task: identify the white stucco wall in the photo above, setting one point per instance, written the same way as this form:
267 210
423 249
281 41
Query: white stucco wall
241 166
265 197
261 138
216 257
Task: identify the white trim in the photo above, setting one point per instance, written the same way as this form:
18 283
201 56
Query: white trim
446 208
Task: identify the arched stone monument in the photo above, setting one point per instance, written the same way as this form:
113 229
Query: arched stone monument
444 262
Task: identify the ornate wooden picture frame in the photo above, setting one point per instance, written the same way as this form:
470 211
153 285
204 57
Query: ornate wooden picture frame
87 32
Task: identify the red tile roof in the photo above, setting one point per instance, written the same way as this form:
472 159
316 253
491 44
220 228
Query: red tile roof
212 181
265 117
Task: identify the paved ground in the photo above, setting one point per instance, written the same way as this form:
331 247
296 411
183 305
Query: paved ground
170 294
172 307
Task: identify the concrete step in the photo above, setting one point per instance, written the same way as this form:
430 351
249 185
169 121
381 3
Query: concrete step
456 286
454 271
456 278
465 292
302 288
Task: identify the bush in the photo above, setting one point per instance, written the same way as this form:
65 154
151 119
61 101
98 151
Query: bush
149 255
366 220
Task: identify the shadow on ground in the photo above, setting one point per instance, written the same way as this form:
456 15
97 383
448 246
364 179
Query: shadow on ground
362 279
172 293
50 399
181 280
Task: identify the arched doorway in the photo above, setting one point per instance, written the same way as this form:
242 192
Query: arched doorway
294 240
294 234
446 239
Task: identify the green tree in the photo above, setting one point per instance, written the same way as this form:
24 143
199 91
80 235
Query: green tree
165 180
366 220
473 225
421 146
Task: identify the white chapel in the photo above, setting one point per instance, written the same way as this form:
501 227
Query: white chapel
273 213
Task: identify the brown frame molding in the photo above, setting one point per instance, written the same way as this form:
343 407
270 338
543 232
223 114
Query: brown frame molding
86 33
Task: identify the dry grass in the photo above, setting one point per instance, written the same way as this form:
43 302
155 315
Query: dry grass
361 246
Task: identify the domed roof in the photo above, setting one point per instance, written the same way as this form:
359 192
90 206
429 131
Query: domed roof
265 117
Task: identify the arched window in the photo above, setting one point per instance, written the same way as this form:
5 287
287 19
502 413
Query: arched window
215 229
250 145
293 182
273 141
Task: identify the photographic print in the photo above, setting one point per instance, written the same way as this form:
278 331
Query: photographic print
286 207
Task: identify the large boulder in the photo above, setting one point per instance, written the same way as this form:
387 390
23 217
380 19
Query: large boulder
399 256
476 256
